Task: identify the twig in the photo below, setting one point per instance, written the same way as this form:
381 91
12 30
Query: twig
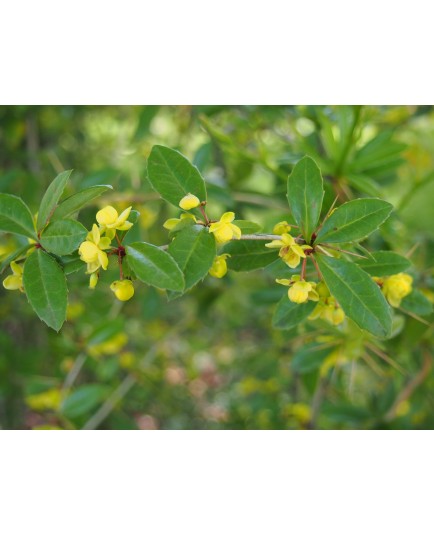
74 372
344 251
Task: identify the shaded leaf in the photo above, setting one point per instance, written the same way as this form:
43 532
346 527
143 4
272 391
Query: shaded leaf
384 263
246 255
289 314
154 266
357 294
75 202
83 400
45 287
15 216
51 198
173 176
194 250
354 220
305 195
63 237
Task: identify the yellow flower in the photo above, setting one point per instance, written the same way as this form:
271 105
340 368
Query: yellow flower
171 223
281 228
397 287
123 290
299 291
224 230
109 347
15 281
47 400
109 220
290 251
189 201
91 251
219 267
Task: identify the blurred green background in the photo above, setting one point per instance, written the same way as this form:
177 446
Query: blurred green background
211 360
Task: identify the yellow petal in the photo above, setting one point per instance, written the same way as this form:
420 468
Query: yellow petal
88 252
103 259
13 282
274 244
286 282
171 223
236 232
228 217
123 217
124 226
107 216
16 268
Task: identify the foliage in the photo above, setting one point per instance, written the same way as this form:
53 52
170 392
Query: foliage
345 345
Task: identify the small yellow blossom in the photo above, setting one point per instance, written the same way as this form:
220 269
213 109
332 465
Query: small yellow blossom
281 228
91 251
299 291
110 346
147 217
396 287
48 400
290 251
189 201
171 223
15 281
219 267
123 290
224 230
110 221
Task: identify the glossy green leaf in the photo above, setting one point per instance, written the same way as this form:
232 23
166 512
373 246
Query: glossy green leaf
305 195
45 286
194 250
289 314
15 216
173 176
246 255
357 294
384 263
51 198
83 400
154 266
63 237
354 220
72 263
417 303
75 202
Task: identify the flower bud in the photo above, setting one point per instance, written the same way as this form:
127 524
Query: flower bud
189 201
123 290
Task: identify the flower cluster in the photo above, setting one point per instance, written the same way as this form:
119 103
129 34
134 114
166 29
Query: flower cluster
93 250
224 230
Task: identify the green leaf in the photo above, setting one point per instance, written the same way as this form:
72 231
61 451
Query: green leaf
45 286
51 198
15 216
154 266
194 250
305 195
246 255
63 237
173 176
354 220
71 264
310 358
357 294
83 400
384 263
247 227
75 202
289 314
417 303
